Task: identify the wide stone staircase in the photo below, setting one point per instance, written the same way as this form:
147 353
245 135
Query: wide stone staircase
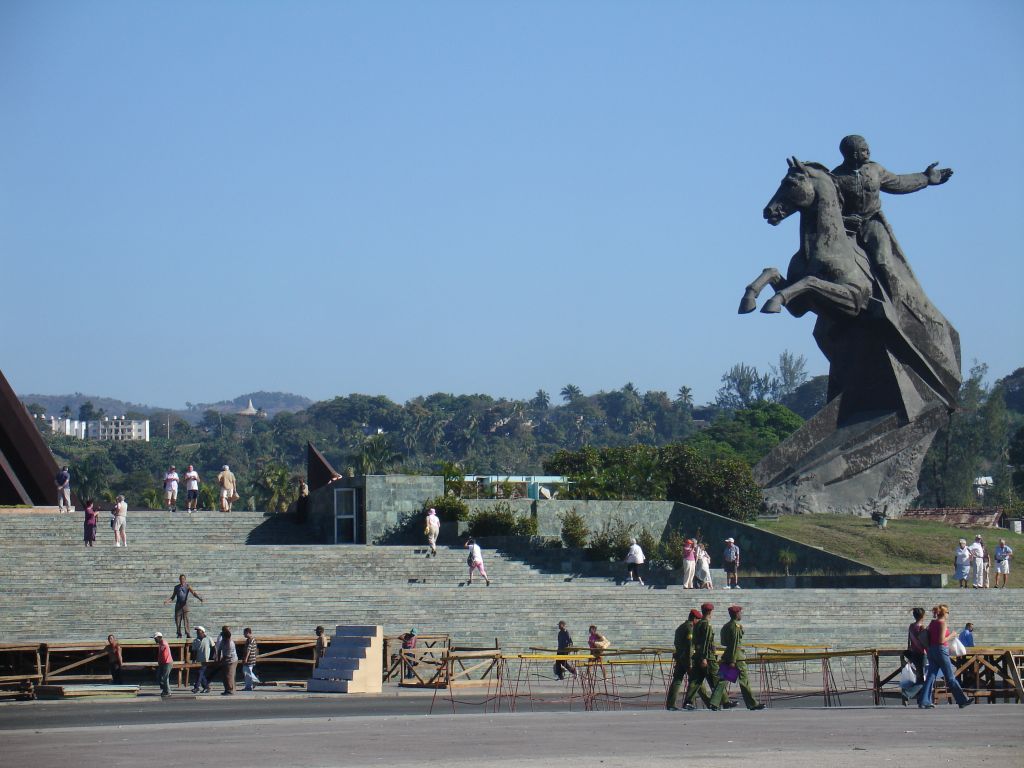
260 571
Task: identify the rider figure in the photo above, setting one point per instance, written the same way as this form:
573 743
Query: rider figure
860 181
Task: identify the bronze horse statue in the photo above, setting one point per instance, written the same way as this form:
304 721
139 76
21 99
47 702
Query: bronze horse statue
859 325
829 273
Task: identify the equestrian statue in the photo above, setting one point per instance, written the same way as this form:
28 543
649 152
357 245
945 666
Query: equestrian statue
894 360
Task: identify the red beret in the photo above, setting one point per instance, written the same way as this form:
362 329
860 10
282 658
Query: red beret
707 607
695 614
735 609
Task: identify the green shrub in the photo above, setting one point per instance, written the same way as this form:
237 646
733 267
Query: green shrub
650 545
501 520
671 549
575 531
611 540
449 509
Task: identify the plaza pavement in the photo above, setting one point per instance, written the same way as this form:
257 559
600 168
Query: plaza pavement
389 730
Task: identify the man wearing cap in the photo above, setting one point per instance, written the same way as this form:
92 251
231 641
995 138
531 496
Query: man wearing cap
171 489
202 653
409 651
191 489
977 550
228 488
705 660
684 660
164 662
732 653
432 529
1003 555
731 563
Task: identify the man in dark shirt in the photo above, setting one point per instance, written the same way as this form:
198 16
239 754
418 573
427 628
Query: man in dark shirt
180 595
564 644
63 481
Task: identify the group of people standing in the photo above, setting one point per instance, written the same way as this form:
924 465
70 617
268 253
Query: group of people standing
974 564
696 564
226 480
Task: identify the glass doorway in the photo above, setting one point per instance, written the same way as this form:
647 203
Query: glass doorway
346 529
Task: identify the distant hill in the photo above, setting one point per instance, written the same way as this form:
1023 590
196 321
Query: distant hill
271 402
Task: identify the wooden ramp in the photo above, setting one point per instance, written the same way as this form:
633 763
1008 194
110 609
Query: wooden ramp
86 691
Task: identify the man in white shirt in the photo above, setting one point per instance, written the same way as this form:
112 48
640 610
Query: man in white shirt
171 489
977 550
1003 554
191 489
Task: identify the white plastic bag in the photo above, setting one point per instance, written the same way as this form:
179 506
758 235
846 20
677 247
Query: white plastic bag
956 648
908 676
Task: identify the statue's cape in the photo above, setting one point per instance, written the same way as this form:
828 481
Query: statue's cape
929 336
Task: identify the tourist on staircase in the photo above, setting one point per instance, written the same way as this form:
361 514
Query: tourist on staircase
431 530
120 513
171 489
180 595
475 560
634 559
228 488
90 523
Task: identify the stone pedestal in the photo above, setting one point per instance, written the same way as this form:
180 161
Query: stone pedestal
353 663
870 465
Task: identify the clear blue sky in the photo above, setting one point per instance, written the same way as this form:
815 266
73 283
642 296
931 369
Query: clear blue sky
200 199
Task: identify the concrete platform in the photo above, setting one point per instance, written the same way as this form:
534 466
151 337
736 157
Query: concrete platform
780 738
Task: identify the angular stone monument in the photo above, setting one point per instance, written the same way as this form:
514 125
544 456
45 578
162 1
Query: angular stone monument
894 374
27 468
353 663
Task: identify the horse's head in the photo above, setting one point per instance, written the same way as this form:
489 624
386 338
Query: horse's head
798 190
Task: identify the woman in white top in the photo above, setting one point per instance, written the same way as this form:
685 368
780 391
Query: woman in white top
476 561
634 559
703 569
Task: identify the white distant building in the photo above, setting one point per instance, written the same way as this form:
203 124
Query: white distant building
107 428
118 428
251 410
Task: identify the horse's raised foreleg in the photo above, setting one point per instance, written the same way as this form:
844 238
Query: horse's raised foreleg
770 276
840 297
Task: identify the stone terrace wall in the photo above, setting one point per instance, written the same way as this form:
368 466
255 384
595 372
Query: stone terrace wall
759 548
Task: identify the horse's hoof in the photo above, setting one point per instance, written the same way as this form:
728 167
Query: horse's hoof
748 303
773 305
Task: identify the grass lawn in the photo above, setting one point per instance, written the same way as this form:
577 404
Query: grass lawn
905 546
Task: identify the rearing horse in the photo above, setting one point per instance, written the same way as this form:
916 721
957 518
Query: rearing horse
829 273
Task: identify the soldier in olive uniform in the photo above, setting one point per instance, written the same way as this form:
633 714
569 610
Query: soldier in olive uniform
732 653
684 660
705 660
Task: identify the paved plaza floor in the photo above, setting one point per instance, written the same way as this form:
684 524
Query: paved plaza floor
300 730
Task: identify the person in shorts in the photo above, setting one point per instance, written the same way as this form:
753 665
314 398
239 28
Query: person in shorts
1003 554
171 489
63 481
228 488
191 489
731 564
120 513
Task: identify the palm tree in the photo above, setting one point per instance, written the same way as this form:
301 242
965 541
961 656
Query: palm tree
571 393
376 455
274 482
541 401
684 397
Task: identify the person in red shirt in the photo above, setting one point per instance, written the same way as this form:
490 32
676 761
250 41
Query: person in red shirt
164 661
